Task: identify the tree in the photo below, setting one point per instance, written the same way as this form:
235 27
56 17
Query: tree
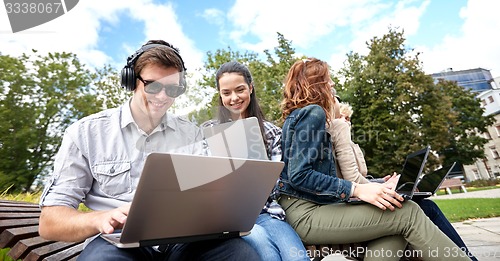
271 75
465 139
40 97
268 77
398 109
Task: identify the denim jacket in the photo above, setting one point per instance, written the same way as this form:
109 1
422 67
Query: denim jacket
309 171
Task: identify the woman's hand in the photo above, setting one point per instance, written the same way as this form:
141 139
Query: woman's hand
392 181
378 195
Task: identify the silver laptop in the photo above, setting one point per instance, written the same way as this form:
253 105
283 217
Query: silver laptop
410 175
429 184
185 198
238 139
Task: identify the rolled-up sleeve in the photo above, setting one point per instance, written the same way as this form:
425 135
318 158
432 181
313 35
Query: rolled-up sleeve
71 178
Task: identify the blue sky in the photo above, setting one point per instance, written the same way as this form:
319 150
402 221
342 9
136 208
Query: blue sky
458 34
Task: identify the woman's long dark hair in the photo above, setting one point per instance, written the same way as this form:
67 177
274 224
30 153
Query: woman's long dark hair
253 109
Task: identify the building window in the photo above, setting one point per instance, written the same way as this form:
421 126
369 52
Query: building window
497 128
483 103
487 135
496 171
476 174
494 152
490 98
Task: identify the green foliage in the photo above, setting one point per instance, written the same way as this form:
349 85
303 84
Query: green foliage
25 197
268 77
399 109
465 139
483 183
469 208
40 97
4 256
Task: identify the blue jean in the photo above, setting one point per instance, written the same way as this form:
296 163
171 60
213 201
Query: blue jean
439 219
275 239
231 249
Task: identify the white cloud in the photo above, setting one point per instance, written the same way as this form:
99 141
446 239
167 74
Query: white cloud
400 15
252 26
475 46
78 31
214 16
302 22
308 23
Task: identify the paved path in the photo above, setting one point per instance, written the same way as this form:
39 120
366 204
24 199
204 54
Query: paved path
489 193
482 236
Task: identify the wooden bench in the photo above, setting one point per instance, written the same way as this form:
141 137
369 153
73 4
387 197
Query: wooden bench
452 183
19 232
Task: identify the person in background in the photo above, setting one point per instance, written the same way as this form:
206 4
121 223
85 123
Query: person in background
343 154
271 236
102 156
309 185
348 169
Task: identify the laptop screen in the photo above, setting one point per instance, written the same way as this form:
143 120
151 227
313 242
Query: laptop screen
238 139
412 169
431 181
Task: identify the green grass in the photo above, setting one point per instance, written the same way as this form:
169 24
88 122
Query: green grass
33 198
4 256
462 209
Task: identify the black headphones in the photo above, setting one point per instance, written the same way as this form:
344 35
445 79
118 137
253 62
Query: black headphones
128 76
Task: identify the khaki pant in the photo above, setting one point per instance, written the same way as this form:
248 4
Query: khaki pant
387 231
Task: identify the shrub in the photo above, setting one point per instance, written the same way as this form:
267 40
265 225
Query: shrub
483 183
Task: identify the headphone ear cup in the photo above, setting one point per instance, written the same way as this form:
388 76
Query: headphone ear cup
183 83
128 80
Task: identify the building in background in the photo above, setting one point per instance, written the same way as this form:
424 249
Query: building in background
480 81
476 80
489 166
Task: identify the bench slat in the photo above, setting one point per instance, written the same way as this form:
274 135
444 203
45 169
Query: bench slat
11 202
9 237
67 254
21 222
19 209
21 248
45 251
4 215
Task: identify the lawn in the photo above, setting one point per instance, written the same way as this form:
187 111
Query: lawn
469 208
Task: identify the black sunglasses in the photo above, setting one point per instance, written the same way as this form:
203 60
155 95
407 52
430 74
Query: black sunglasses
154 87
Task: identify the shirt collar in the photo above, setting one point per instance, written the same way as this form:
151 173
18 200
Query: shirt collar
168 119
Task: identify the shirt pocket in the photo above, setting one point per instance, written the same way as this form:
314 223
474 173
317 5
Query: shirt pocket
113 177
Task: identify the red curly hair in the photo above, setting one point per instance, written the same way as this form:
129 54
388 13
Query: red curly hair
308 82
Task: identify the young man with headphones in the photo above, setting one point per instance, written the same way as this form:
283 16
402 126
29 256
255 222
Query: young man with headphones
101 158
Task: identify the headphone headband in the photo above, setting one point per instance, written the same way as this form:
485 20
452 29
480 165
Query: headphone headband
133 58
128 77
